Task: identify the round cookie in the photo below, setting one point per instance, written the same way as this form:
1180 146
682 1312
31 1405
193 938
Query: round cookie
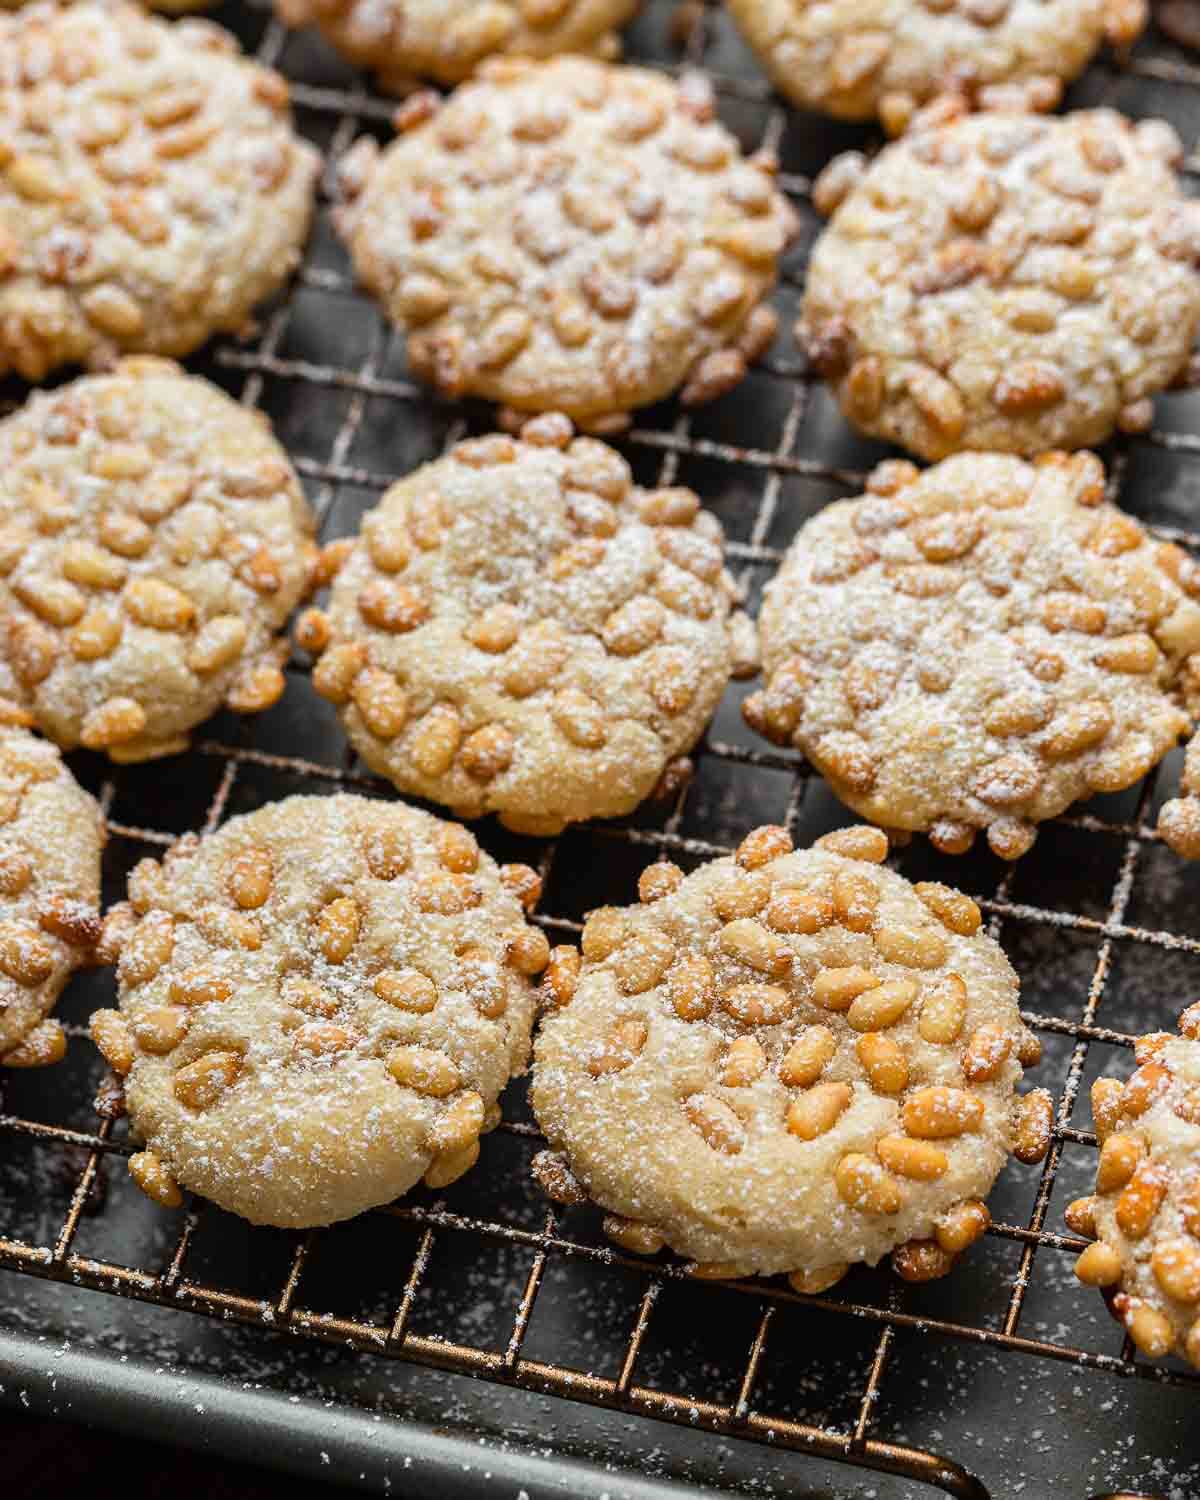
153 540
319 1005
405 40
978 645
1145 1214
859 58
1005 281
153 192
567 236
51 834
786 1062
521 630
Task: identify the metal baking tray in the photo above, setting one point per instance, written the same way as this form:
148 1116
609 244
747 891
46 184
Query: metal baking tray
471 1342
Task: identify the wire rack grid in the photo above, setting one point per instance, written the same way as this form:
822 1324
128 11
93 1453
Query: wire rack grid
329 372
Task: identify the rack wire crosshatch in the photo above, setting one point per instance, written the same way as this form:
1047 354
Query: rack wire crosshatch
1099 918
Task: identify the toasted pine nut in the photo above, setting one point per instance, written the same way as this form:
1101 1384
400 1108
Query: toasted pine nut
110 1032
818 1109
762 846
407 989
749 942
922 1260
637 1238
250 878
862 1183
561 977
1149 1329
449 1166
458 1125
962 1225
643 960
1107 1095
45 1045
1119 1158
1081 1216
954 910
692 988
603 933
837 989
424 1070
317 1039
1035 1126
160 1029
806 1058
217 644
1143 1088
813 1283
159 605
203 985
859 842
744 1062
147 948
1141 1200
201 1083
716 1122
148 1171
1099 1265
741 893
988 1049
626 1038
338 928
855 900
882 1006
659 880
114 722
798 911
1176 1267
884 1062
555 1178
386 852
938 1112
918 1160
756 1004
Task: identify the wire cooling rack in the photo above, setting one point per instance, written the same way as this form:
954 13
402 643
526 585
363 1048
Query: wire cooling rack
485 1281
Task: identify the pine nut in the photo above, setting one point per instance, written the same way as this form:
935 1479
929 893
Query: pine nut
114 722
458 849
218 643
309 999
1080 1216
147 949
42 1047
818 1110
424 1070
863 1184
625 1041
884 1062
914 948
1141 1200
85 563
523 882
337 929
988 1049
449 1166
813 1283
1176 1267
110 1032
603 933
407 989
1149 1329
938 1112
15 872
855 901
201 1083
459 1125
488 752
798 911
561 977
882 1006
158 605
762 846
386 852
922 1260
757 1004
643 960
381 703
954 910
148 1171
96 636
659 880
1035 1126
943 1010
528 951
1119 1158
448 895
333 676
750 943
638 1239
917 1160
837 989
692 989
495 630
1107 1094
716 1122
740 893
53 600
160 1029
317 1039
744 1063
555 1178
1145 1085
860 842
250 878
960 1226
203 985
807 1057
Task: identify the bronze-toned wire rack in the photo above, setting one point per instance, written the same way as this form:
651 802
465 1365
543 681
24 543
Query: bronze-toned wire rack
1006 1366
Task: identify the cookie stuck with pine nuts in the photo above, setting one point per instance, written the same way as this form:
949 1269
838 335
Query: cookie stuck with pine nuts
51 835
976 646
319 1006
1004 281
856 60
521 630
404 41
787 1061
569 236
1144 1217
153 541
152 191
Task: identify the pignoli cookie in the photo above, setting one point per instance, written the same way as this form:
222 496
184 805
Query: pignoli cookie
403 41
153 540
151 193
786 1061
519 629
567 236
859 58
1005 281
51 834
1144 1217
978 645
319 1005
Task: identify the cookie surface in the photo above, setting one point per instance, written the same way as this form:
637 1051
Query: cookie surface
1145 1214
153 192
319 1005
521 630
51 834
153 540
566 236
1005 282
854 59
403 40
977 646
787 1062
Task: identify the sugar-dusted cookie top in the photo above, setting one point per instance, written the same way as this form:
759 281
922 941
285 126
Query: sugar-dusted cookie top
978 645
1005 281
152 191
319 1005
520 629
153 540
786 1061
568 236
